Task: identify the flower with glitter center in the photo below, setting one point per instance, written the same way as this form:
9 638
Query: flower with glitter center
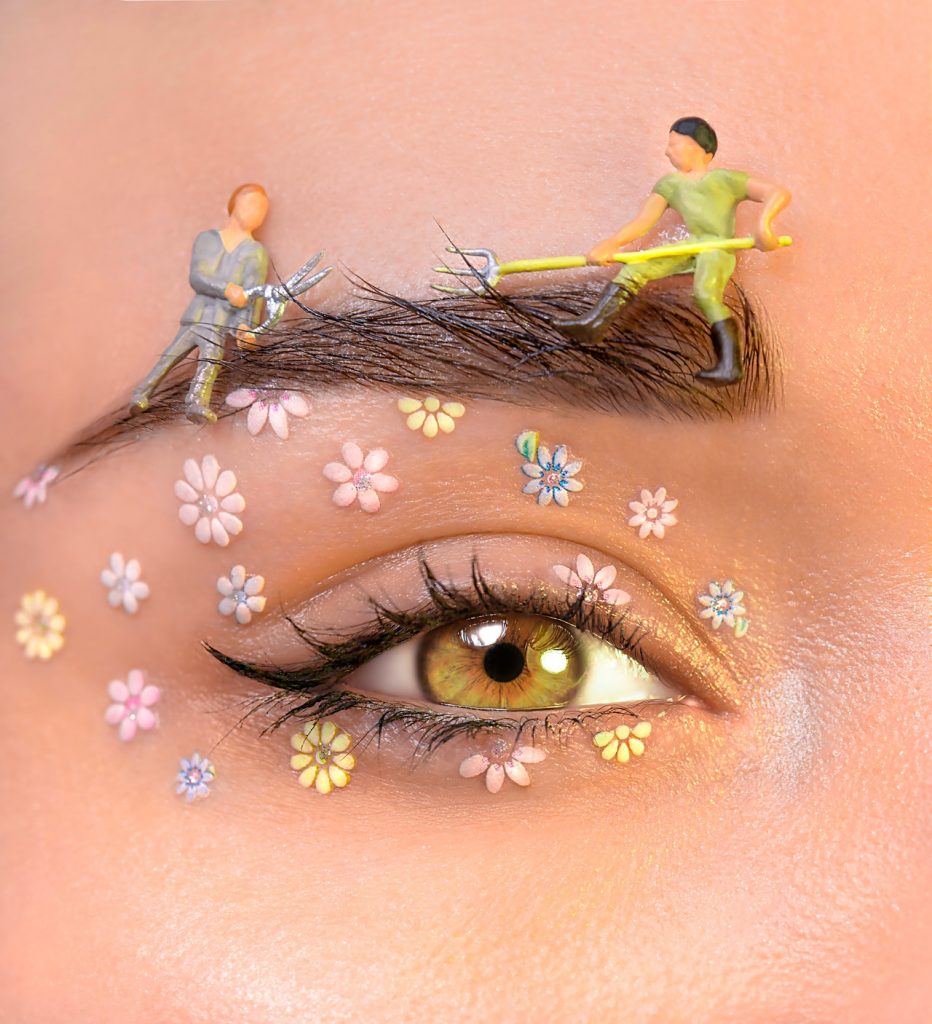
322 758
132 704
723 605
360 478
123 580
502 761
210 501
592 585
33 489
195 777
653 514
241 594
431 415
269 406
623 742
553 478
40 625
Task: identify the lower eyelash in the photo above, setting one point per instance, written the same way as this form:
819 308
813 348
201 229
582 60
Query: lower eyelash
429 730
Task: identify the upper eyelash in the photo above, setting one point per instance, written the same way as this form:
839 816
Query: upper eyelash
390 626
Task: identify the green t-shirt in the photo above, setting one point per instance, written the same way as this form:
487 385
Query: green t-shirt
707 205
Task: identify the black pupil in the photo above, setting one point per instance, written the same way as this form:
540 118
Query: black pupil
503 662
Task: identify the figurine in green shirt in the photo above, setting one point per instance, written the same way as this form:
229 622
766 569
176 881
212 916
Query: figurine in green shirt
706 200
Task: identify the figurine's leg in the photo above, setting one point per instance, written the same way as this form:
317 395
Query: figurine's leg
184 342
592 326
713 270
197 404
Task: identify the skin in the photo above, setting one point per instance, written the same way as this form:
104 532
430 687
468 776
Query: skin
762 862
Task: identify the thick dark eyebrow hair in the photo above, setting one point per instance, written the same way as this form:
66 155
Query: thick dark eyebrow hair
492 346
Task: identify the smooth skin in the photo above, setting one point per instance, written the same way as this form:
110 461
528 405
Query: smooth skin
770 865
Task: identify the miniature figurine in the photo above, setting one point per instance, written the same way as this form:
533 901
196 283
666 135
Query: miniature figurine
706 200
228 273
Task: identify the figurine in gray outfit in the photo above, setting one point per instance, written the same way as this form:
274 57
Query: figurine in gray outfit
228 272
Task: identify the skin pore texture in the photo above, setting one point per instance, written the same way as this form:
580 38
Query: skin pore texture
766 859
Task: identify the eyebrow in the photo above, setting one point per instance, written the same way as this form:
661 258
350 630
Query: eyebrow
485 346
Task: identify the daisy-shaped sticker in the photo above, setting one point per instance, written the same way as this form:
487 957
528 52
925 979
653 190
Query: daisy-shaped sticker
552 477
132 704
431 415
268 406
623 742
501 762
322 758
359 477
594 586
195 777
40 625
653 514
723 604
122 579
241 594
210 501
33 489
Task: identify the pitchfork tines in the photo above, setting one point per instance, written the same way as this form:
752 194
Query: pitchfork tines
486 276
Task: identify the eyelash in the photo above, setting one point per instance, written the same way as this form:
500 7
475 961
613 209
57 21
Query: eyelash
430 730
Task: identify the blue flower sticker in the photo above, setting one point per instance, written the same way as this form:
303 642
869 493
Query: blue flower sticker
552 477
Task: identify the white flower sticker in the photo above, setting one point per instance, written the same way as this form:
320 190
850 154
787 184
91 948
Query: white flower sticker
241 595
594 586
653 514
210 501
122 579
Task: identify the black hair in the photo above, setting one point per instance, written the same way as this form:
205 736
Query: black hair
698 130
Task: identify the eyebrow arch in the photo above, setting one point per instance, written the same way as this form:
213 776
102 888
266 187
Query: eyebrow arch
490 346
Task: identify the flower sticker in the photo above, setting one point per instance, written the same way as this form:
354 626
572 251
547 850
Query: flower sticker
502 761
122 579
132 704
33 489
210 501
240 594
195 777
653 514
622 743
322 757
594 586
553 477
360 478
268 406
723 604
40 625
431 415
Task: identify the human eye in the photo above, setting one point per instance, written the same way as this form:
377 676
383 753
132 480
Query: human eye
477 647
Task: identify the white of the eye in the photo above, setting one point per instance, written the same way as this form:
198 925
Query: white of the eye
611 676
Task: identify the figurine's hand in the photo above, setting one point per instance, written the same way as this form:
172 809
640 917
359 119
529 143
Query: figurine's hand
765 239
235 295
600 256
245 339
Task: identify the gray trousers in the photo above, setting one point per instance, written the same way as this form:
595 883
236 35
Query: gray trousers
203 337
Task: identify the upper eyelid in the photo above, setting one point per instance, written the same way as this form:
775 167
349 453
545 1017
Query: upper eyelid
485 348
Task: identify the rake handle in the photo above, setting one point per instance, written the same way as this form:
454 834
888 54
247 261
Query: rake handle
639 256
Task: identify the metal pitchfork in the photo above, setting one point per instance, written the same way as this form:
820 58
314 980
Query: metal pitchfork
492 272
277 296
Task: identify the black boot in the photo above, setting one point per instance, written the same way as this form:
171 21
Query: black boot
593 325
728 369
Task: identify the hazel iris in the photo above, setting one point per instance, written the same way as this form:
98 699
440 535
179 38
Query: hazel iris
522 661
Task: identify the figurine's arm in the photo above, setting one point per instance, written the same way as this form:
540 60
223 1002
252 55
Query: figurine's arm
200 280
255 272
775 198
650 213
